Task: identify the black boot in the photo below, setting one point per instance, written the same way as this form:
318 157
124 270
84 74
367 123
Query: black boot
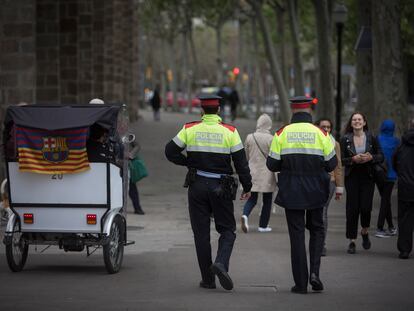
139 211
315 282
366 243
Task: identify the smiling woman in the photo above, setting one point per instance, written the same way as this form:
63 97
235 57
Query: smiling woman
360 151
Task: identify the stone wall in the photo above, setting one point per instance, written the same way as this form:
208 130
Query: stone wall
68 51
17 51
47 52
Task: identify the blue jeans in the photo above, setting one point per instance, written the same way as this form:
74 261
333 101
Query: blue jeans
267 205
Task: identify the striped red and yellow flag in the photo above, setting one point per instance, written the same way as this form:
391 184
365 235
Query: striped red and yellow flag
52 152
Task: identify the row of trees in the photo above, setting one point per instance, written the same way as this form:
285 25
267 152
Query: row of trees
269 37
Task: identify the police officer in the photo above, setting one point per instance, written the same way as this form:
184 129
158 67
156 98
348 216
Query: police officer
303 154
211 145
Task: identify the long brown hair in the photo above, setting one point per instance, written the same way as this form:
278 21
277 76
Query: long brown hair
349 129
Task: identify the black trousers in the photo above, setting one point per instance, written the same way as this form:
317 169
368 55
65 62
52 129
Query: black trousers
296 225
405 226
385 190
203 201
134 195
359 193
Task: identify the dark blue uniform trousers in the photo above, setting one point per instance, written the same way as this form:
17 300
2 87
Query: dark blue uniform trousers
203 200
296 225
405 226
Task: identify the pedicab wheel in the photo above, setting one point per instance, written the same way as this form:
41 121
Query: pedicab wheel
16 250
113 251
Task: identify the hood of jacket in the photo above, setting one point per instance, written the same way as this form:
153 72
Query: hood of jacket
387 128
408 137
264 124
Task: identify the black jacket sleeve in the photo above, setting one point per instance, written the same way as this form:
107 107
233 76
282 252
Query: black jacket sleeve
273 165
174 154
242 169
396 160
331 164
377 154
346 157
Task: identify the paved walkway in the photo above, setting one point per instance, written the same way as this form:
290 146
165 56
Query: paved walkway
160 271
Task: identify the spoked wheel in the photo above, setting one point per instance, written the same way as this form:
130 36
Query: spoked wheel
17 250
113 251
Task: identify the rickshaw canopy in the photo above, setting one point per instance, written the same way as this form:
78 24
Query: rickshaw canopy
57 117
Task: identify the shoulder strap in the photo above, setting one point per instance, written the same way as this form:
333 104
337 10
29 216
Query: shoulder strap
258 146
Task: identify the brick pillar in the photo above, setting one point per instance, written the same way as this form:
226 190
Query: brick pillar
118 48
68 45
47 52
135 88
126 47
108 51
85 70
17 52
98 49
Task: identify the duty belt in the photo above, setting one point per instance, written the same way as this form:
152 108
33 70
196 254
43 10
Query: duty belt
208 174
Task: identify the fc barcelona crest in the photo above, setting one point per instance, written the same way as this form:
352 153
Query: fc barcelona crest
55 149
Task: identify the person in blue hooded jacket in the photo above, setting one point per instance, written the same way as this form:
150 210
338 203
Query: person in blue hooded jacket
389 144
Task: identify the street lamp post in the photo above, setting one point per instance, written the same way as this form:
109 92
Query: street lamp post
339 17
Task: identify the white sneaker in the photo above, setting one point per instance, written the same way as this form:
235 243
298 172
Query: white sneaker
392 231
381 234
245 224
267 229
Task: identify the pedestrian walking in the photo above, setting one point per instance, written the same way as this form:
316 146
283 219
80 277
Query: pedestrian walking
223 93
234 102
303 154
404 166
337 180
156 103
133 188
257 147
389 144
360 151
211 146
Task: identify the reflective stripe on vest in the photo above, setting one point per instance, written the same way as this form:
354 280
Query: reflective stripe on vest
210 135
302 138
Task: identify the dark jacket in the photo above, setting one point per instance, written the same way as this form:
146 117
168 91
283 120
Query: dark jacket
348 151
97 151
156 100
389 144
404 165
303 180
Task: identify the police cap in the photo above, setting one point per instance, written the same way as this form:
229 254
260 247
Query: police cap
302 102
208 100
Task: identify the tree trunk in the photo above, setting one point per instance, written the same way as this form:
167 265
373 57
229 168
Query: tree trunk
173 66
364 84
325 93
258 87
299 83
163 76
389 90
274 64
219 74
186 83
193 54
282 46
240 58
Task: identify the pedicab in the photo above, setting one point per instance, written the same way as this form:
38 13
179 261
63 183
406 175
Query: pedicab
59 193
